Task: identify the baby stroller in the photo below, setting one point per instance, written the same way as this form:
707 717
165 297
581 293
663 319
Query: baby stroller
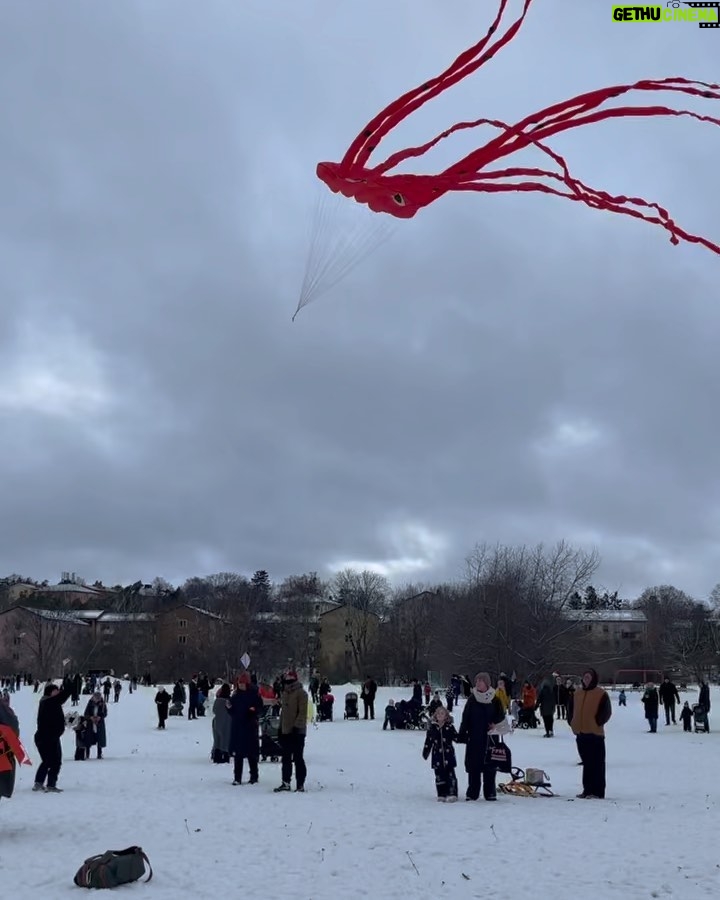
351 706
325 708
176 708
270 734
700 719
527 718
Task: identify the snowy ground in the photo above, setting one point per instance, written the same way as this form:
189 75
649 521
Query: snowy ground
369 825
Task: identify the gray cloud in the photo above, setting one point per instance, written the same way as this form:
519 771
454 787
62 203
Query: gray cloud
511 368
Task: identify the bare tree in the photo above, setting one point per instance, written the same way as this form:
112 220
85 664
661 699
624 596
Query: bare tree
410 633
692 644
664 605
513 611
366 594
52 636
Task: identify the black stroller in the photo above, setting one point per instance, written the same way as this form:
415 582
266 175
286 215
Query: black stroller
700 719
176 708
270 734
527 717
351 706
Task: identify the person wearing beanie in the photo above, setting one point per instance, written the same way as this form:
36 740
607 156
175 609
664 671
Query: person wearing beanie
591 712
50 728
245 708
293 730
482 712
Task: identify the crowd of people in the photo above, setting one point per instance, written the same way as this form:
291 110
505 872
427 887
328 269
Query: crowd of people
242 707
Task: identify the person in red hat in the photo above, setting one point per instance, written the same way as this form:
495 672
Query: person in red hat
245 708
293 730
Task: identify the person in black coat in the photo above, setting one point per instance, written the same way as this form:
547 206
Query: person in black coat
50 729
704 696
369 690
193 692
482 712
162 701
669 697
245 708
651 701
439 742
561 698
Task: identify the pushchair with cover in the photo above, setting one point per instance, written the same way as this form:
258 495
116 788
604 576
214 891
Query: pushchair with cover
351 706
270 734
700 719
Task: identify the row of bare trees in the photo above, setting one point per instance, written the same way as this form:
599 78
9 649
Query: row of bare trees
514 609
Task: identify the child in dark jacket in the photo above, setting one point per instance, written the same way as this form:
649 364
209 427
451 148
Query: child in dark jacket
686 717
439 746
84 737
390 714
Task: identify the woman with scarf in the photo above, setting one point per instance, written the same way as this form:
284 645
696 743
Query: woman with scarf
96 711
482 712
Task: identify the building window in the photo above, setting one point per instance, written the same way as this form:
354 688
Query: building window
181 655
16 642
606 629
182 639
182 623
16 657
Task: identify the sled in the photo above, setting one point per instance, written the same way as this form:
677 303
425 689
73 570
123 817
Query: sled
535 785
11 746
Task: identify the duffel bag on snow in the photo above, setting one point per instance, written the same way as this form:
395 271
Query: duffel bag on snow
108 870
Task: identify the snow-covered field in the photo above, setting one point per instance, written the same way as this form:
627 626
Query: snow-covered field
369 825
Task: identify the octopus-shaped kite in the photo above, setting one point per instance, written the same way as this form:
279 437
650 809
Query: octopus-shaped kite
403 196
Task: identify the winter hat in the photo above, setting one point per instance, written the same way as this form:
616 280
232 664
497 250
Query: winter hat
244 678
485 677
49 688
290 676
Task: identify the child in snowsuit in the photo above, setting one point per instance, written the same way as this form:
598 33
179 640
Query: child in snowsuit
622 699
84 738
439 742
449 699
390 714
686 717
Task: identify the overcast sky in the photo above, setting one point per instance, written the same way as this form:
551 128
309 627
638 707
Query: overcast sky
516 369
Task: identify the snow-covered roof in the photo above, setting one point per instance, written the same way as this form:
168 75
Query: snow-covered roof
66 587
126 617
55 615
606 615
87 613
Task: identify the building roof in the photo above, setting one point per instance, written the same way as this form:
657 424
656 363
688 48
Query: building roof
87 613
340 606
196 609
606 615
126 617
54 615
67 587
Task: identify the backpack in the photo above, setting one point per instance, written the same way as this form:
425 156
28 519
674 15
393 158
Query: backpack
114 867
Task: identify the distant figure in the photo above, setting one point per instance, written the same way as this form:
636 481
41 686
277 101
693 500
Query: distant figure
651 701
669 697
622 699
162 701
686 717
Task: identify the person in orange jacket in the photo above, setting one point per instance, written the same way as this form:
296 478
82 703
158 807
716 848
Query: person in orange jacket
529 696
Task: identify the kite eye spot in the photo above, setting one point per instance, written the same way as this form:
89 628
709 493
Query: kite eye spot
399 199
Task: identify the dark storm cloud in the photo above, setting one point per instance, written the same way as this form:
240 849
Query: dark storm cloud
511 368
